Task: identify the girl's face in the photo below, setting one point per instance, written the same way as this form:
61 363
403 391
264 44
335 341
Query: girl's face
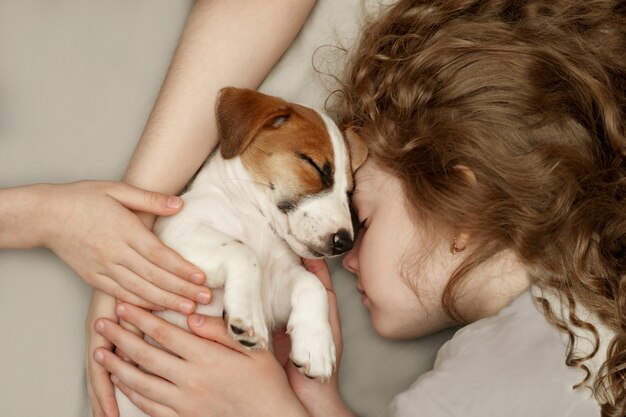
390 252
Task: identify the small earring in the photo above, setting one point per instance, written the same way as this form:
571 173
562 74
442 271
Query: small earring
454 249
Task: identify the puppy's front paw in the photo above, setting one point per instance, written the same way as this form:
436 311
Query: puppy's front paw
246 324
312 349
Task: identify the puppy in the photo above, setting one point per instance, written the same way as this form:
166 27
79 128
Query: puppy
275 190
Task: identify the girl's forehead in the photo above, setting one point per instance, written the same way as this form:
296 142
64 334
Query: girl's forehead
373 182
368 172
377 192
365 179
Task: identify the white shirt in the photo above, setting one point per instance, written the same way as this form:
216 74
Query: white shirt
511 364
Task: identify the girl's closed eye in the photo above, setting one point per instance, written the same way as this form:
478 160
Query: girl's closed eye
357 224
362 225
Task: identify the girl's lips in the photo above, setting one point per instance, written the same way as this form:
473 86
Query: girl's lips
362 292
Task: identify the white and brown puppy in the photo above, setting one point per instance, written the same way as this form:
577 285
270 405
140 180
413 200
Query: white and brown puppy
276 190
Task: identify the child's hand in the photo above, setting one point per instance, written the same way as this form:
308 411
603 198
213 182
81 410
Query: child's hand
212 375
91 226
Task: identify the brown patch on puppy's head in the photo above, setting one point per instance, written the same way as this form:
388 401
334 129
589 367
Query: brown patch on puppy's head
283 145
242 114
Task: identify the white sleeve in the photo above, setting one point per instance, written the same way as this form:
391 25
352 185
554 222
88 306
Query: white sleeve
512 364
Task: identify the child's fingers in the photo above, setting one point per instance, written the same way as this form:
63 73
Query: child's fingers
96 409
154 387
214 329
167 281
152 249
105 394
103 400
99 385
178 341
119 352
319 268
149 407
123 356
98 379
138 199
114 286
145 290
152 359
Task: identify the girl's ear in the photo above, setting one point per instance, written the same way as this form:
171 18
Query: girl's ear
358 148
459 242
461 239
242 114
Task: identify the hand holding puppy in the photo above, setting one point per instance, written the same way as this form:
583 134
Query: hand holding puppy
91 226
213 373
202 372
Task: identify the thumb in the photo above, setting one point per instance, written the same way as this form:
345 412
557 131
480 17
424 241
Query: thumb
213 329
320 269
138 199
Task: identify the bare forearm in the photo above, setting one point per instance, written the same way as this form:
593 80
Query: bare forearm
20 217
224 43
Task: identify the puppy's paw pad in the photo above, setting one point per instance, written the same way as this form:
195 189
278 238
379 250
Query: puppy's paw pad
249 335
236 330
247 343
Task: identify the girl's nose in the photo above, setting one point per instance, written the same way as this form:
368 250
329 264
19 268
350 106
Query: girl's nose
351 260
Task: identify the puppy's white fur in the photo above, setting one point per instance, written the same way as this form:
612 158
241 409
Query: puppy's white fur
250 251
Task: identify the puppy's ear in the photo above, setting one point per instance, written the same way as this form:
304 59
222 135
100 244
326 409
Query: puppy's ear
242 114
358 148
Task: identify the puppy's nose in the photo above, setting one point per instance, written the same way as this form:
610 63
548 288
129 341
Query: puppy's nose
341 242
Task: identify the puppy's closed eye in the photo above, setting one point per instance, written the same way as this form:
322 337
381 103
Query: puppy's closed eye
326 172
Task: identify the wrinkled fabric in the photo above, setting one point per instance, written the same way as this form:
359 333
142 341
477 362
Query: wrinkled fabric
511 364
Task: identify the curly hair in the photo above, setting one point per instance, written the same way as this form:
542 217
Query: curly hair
531 96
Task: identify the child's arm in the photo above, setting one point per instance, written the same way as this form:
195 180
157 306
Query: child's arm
223 43
90 226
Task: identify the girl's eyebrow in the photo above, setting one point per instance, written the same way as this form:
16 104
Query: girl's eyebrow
361 196
358 184
356 190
